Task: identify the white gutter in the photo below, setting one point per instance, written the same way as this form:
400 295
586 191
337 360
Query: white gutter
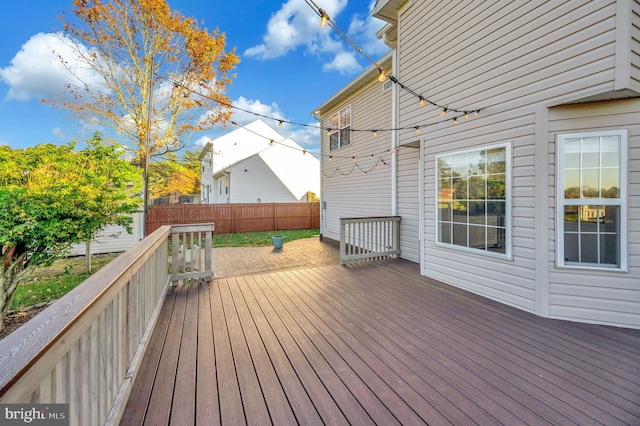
394 117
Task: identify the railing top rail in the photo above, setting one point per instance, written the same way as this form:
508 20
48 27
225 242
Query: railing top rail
22 348
391 218
201 227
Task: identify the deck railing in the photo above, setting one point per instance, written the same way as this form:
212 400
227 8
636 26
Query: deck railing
85 349
369 238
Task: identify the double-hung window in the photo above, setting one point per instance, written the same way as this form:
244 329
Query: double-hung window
474 199
340 128
591 200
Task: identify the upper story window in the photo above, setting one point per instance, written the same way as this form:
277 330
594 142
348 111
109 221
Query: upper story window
591 200
474 199
340 124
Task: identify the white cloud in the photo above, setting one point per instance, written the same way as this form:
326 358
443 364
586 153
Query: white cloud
255 107
363 32
308 136
344 62
59 134
37 70
294 25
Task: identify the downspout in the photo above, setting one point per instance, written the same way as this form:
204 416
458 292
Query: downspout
316 116
394 121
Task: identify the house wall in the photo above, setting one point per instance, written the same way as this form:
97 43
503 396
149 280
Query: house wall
357 194
206 178
513 61
608 297
252 179
632 19
113 239
408 201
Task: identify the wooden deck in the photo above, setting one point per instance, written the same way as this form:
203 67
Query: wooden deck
375 344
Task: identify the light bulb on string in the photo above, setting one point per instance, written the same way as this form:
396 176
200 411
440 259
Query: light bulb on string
421 101
324 18
375 133
280 122
466 115
329 132
444 111
477 112
455 121
382 77
270 142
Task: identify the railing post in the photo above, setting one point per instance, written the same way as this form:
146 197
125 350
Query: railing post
342 241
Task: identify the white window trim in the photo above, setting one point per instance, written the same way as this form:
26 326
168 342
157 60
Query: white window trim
598 201
338 129
508 255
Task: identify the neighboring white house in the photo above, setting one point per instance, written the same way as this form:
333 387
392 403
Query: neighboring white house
534 201
255 163
113 239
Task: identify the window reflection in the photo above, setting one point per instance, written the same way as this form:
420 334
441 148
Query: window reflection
472 194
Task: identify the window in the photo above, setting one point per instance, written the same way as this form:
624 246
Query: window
591 194
473 205
340 129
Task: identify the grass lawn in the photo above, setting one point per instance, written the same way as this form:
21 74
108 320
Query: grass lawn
46 284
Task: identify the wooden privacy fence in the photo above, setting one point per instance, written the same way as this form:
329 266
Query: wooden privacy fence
237 217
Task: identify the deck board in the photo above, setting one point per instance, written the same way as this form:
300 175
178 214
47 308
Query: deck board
375 343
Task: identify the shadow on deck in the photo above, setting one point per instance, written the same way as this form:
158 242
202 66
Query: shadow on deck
375 343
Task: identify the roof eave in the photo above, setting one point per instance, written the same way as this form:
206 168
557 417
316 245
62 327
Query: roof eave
354 85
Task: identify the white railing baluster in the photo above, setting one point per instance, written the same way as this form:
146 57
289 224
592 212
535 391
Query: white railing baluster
369 238
87 346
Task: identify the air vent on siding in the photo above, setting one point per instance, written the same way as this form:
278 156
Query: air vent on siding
386 85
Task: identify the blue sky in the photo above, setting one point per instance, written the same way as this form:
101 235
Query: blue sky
287 67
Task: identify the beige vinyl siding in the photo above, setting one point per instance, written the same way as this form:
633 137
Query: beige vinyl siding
498 56
635 45
510 281
602 296
408 202
357 194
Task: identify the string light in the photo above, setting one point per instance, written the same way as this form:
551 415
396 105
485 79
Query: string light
355 166
421 101
417 130
444 111
375 133
324 21
270 142
455 120
466 116
280 122
324 18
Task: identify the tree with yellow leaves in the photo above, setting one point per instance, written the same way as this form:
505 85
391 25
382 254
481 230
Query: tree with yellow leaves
158 70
